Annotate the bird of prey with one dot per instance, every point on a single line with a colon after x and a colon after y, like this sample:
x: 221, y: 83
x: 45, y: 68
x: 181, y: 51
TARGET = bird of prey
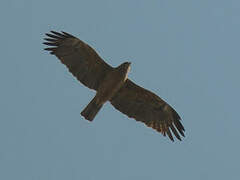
x: 112, y: 84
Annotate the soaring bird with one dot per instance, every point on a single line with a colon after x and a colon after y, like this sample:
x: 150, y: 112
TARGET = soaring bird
x: 112, y: 84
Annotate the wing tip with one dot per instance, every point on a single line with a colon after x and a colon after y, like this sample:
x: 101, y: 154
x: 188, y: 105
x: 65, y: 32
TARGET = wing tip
x: 168, y: 129
x: 54, y: 39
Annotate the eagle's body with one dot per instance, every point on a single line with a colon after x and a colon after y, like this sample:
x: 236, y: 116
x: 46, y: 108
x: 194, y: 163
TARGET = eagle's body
x: 113, y: 85
x: 113, y: 81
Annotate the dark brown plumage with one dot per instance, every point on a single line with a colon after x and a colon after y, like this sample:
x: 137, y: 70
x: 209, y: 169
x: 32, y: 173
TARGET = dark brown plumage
x: 113, y: 85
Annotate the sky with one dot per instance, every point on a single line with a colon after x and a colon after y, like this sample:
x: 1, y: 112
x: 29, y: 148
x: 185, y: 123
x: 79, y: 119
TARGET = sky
x: 185, y: 51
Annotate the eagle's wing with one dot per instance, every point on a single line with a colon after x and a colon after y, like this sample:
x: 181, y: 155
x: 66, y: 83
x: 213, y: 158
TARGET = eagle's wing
x: 82, y: 61
x: 143, y: 105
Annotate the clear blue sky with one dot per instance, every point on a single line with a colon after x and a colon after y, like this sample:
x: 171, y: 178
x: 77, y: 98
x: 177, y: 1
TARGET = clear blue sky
x: 185, y: 51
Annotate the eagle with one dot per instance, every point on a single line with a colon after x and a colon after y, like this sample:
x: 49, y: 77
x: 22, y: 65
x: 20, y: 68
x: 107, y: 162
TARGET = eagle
x: 112, y: 84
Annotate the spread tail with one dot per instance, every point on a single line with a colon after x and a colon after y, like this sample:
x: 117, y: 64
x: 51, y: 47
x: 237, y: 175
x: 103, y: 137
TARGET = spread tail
x: 91, y: 110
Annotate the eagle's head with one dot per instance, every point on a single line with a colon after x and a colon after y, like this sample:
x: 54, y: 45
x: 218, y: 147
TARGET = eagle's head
x: 124, y: 68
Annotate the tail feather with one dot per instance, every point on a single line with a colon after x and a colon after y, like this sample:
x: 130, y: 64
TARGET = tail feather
x: 91, y: 110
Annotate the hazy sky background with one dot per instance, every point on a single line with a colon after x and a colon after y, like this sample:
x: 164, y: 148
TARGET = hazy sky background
x: 185, y: 51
